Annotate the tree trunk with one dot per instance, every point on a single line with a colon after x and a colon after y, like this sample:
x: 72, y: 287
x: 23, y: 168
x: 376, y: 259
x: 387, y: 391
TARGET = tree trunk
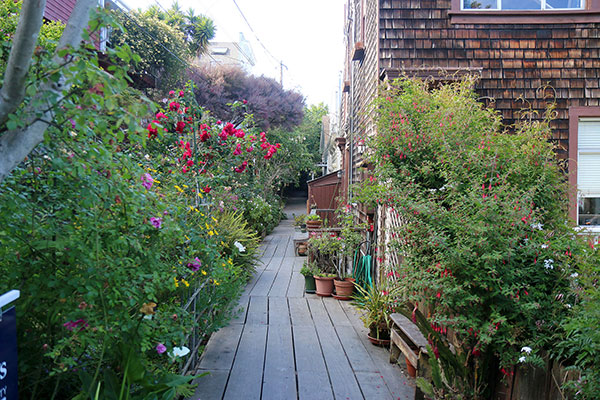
x: 17, y: 144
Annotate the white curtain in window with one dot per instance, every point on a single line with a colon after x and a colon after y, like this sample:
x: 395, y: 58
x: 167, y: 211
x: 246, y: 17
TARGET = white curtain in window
x: 588, y: 163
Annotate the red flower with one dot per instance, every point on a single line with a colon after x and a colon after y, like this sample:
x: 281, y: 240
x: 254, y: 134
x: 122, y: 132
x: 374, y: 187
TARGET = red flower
x: 204, y: 136
x: 181, y: 93
x: 171, y: 93
x: 180, y: 127
x: 173, y: 106
x: 160, y: 116
x: 152, y: 130
x: 207, y: 189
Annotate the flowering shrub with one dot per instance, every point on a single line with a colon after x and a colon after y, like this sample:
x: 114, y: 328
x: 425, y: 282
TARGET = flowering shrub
x: 107, y: 231
x: 487, y: 249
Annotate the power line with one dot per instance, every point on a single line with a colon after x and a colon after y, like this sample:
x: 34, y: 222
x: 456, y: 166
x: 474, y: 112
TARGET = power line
x: 255, y: 35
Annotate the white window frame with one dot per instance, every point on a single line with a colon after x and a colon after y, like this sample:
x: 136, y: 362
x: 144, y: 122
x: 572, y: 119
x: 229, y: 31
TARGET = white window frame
x: 592, y: 229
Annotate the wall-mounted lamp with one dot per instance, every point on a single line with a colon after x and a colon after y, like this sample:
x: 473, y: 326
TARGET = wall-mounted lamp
x: 340, y: 174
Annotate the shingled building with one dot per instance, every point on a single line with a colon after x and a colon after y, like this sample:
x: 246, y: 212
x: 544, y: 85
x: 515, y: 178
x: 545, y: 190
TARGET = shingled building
x: 525, y: 52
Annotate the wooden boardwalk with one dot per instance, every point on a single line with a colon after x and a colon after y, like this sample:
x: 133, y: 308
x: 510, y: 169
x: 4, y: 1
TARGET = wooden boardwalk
x: 287, y: 345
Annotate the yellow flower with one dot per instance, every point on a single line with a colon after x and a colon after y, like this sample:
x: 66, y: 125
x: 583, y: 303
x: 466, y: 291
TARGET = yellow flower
x: 230, y: 261
x: 186, y: 236
x: 214, y: 219
x: 203, y: 272
x: 216, y: 282
x: 211, y: 233
x: 176, y: 283
x: 200, y: 194
x: 185, y: 283
x: 207, y: 227
x: 178, y: 188
x: 156, y: 181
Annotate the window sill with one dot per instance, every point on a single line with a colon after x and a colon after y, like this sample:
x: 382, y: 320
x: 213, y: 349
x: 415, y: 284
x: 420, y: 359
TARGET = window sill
x: 524, y: 17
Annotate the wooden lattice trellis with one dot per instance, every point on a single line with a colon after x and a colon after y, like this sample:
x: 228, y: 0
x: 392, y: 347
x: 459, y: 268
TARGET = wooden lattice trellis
x: 388, y: 258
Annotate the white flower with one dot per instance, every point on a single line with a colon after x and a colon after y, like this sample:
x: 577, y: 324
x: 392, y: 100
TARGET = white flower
x: 568, y: 305
x: 548, y: 264
x: 240, y: 246
x: 544, y: 246
x: 522, y: 359
x: 537, y: 226
x: 147, y: 156
x: 180, y: 351
x: 574, y: 275
x: 526, y: 349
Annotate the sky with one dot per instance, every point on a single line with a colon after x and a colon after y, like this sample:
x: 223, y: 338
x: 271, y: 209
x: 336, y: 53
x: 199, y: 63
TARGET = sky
x: 307, y: 36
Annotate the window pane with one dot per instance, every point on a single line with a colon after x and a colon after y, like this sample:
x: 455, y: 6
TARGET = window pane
x: 550, y: 4
x: 521, y: 5
x: 480, y: 5
x: 589, y: 211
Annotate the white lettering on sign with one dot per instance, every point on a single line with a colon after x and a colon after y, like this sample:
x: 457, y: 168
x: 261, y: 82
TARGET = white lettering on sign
x: 3, y: 370
x: 3, y: 393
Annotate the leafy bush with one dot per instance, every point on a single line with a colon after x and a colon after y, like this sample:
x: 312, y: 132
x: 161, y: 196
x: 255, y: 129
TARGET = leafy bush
x: 487, y: 247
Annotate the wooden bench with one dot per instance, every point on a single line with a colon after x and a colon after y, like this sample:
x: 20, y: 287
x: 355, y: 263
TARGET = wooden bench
x: 407, y: 339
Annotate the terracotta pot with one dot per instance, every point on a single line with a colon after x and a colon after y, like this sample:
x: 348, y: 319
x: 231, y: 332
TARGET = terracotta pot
x: 412, y: 371
x: 313, y: 224
x: 324, y: 286
x: 309, y: 284
x: 379, y: 342
x: 302, y: 250
x: 343, y: 289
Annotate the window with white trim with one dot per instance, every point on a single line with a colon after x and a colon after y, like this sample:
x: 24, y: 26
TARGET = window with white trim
x: 588, y: 172
x: 523, y: 4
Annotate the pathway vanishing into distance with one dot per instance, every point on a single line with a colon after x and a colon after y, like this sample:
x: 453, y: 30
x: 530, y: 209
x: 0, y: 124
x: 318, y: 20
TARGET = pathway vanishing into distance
x: 286, y: 344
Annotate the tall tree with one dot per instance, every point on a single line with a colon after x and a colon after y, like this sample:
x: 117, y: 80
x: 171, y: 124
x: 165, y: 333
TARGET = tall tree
x: 271, y: 105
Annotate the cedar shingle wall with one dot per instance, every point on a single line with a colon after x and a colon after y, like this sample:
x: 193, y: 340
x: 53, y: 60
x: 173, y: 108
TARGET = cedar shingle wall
x: 59, y: 10
x: 516, y: 60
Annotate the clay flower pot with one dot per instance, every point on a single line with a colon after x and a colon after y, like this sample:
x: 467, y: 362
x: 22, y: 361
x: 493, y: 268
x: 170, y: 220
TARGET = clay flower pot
x: 324, y: 286
x: 313, y: 224
x: 343, y: 289
x: 412, y: 371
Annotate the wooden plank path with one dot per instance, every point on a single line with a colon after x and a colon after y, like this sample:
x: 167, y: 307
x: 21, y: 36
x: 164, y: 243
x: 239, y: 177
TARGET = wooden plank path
x: 285, y: 344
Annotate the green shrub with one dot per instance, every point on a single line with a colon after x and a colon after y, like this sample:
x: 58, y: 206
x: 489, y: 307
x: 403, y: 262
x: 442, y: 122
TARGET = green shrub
x: 486, y: 243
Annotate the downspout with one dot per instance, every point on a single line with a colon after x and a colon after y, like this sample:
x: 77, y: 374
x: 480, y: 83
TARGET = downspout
x: 351, y: 158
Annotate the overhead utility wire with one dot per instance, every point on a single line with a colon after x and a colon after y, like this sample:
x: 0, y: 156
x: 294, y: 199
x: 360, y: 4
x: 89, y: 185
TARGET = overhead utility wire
x: 252, y: 30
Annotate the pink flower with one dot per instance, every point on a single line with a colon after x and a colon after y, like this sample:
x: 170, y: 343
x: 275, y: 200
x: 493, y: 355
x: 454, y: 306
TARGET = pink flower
x: 171, y: 93
x: 180, y: 127
x: 161, y: 348
x: 156, y: 222
x: 249, y: 149
x: 181, y: 93
x: 173, y: 106
x: 238, y: 150
x: 160, y: 116
x: 195, y: 265
x: 147, y: 180
x: 245, y: 101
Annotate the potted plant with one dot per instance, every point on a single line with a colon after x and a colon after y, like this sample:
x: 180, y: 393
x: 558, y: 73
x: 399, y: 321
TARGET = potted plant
x: 314, y: 221
x: 377, y: 302
x: 300, y: 222
x: 324, y: 283
x: 309, y: 270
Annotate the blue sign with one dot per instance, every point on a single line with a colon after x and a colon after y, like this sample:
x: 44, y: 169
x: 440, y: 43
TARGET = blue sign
x: 8, y: 355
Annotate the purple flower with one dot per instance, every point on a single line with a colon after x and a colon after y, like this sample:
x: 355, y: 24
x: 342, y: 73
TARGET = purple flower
x: 147, y: 180
x: 70, y: 325
x: 195, y: 265
x: 156, y: 222
x: 161, y: 348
